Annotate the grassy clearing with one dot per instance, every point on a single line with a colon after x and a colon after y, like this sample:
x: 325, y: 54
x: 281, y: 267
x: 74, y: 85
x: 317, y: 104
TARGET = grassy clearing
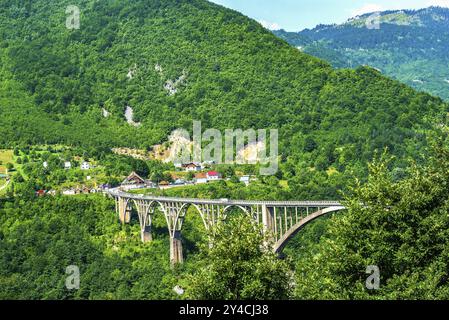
x: 6, y: 156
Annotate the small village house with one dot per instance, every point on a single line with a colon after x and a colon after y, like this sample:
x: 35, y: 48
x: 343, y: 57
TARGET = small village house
x: 69, y: 192
x: 245, y: 180
x: 191, y: 167
x: 213, y: 176
x: 164, y: 185
x: 178, y: 165
x: 40, y: 193
x: 200, y: 178
x: 134, y: 181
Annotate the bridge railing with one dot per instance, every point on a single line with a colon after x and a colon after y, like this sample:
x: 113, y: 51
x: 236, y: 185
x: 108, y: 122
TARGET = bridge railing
x: 122, y: 194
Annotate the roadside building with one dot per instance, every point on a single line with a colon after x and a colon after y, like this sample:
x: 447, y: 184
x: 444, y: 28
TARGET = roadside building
x: 40, y: 193
x: 105, y: 186
x: 164, y: 185
x: 69, y: 192
x: 245, y: 180
x: 191, y: 167
x: 179, y: 182
x: 200, y: 178
x: 178, y: 165
x: 133, y: 181
x: 213, y: 176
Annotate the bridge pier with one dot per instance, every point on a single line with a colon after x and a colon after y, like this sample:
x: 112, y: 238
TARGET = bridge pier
x: 123, y: 211
x: 267, y: 218
x: 176, y: 249
x: 146, y: 234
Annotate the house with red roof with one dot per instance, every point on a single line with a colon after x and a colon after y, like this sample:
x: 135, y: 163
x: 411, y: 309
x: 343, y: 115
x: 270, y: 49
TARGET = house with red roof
x: 40, y: 193
x: 213, y: 175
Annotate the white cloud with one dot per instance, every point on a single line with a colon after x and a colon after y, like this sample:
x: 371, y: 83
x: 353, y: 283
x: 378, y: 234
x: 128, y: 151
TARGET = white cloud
x: 440, y: 3
x: 270, y: 25
x: 368, y: 8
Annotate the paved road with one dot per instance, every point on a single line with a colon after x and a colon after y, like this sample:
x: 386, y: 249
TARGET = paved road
x: 5, y: 185
x: 118, y: 193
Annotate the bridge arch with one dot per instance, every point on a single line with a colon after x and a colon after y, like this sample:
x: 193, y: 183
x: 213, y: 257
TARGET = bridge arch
x: 159, y: 205
x: 282, y: 242
x: 183, y: 212
x: 146, y: 215
x: 281, y: 224
x: 242, y: 208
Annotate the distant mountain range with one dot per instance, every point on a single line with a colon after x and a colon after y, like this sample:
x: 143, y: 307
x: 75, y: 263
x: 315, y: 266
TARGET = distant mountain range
x: 411, y: 46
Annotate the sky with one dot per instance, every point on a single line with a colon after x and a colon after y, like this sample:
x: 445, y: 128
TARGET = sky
x: 296, y: 15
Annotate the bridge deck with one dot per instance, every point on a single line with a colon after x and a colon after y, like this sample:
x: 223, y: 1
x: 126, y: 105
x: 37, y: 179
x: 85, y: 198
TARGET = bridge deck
x: 226, y: 202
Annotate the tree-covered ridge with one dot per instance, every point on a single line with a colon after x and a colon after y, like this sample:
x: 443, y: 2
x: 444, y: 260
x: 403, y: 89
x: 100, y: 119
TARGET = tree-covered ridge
x: 178, y: 61
x: 40, y: 239
x: 410, y: 45
x: 401, y: 228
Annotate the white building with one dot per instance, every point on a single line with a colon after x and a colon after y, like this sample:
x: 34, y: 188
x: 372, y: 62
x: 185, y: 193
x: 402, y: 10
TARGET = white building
x: 192, y: 167
x: 67, y: 165
x: 200, y: 178
x: 45, y: 164
x: 245, y: 180
x: 213, y: 175
x: 69, y: 192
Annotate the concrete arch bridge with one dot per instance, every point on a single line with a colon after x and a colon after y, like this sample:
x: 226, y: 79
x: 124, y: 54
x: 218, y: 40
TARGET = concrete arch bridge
x: 281, y: 219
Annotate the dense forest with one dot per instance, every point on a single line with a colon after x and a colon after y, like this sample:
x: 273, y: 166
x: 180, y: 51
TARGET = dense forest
x: 402, y: 228
x: 229, y: 72
x: 175, y: 61
x: 409, y: 45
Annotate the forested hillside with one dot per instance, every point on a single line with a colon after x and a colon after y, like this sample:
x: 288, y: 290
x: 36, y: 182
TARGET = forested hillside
x: 403, y: 229
x: 409, y: 45
x: 177, y: 61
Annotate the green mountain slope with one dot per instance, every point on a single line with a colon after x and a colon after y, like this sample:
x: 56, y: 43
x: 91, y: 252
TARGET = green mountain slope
x: 177, y: 61
x: 174, y: 61
x: 411, y: 46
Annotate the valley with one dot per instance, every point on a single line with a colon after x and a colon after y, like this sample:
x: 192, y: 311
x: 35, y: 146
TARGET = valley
x: 94, y: 121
